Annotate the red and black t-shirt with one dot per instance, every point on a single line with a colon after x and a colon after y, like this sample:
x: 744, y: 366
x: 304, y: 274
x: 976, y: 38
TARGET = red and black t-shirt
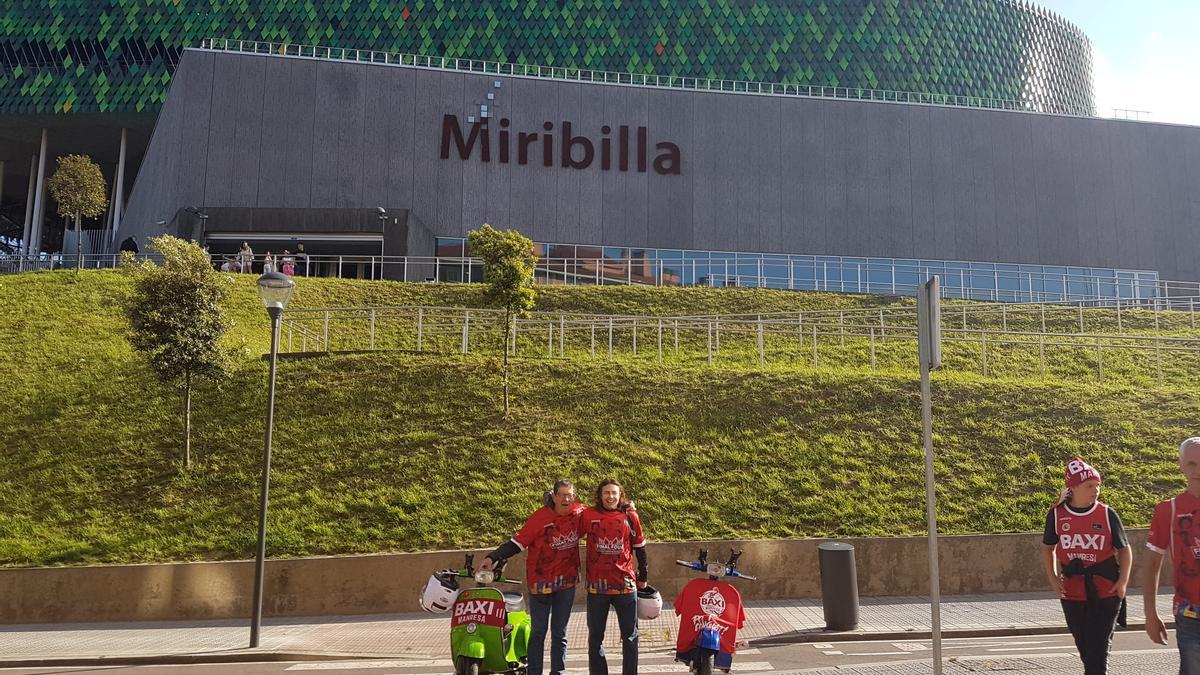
x: 551, y: 543
x: 1092, y: 536
x: 611, y: 538
x: 1175, y: 530
x: 704, y: 603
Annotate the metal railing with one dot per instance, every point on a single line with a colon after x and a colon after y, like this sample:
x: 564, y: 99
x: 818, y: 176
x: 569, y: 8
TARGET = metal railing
x: 874, y: 338
x: 840, y: 277
x: 634, y: 79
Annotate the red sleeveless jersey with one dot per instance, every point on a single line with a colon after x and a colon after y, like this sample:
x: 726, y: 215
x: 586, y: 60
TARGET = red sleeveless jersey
x: 1087, y: 537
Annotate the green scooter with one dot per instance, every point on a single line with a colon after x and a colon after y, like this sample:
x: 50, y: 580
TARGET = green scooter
x: 489, y: 628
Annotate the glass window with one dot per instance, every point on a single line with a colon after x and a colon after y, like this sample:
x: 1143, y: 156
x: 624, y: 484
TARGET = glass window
x: 449, y: 247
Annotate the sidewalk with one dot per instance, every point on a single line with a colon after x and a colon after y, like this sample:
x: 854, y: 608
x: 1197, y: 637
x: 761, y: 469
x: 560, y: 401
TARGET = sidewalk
x: 424, y: 635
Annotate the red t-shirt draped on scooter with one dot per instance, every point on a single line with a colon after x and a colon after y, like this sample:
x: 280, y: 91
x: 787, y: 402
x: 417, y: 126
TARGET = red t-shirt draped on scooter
x: 551, y: 543
x: 706, y: 602
x: 611, y: 538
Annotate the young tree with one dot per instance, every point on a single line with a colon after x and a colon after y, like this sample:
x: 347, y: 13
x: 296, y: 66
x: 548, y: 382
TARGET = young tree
x: 508, y: 263
x: 78, y: 188
x: 175, y: 319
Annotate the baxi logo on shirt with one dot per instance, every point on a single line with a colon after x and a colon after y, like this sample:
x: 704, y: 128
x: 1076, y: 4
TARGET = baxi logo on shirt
x: 712, y: 602
x: 613, y: 546
x: 1093, y: 542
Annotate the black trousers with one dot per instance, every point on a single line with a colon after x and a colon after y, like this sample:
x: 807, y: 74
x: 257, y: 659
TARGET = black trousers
x: 1092, y: 629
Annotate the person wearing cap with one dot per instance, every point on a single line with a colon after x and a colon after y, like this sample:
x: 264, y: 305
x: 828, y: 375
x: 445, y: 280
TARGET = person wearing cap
x: 1088, y: 561
x: 550, y: 538
x: 1175, y: 531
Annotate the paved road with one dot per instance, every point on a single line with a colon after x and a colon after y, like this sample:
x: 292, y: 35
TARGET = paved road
x: 1133, y: 654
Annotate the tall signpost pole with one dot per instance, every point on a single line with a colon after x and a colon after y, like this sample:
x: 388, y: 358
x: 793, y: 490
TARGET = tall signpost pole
x: 929, y: 341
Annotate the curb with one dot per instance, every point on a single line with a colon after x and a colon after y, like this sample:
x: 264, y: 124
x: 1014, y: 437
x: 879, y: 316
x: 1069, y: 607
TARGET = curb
x: 190, y: 659
x: 821, y: 635
x: 287, y: 656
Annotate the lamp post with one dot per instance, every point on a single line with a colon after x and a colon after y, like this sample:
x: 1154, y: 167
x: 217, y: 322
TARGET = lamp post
x: 274, y: 289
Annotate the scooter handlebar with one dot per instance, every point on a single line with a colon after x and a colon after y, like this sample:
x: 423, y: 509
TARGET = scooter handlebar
x: 689, y: 565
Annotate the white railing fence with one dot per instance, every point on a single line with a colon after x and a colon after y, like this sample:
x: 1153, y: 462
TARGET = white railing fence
x: 1042, y: 341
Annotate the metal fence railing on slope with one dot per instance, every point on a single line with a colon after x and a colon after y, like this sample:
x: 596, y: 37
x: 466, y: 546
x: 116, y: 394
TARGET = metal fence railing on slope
x: 1150, y: 347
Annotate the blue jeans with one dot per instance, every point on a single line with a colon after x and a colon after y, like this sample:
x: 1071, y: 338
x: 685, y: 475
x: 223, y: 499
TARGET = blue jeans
x: 1187, y: 635
x: 553, y: 610
x: 597, y: 616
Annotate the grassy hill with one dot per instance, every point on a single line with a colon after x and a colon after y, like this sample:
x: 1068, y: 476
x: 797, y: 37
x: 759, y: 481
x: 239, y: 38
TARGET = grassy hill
x: 395, y: 451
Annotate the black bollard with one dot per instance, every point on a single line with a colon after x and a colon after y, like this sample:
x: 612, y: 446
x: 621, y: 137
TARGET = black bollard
x: 839, y: 585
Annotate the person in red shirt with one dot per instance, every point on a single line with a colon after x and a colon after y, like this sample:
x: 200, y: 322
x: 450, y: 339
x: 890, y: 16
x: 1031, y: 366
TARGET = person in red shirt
x: 1175, y: 531
x: 550, y: 537
x: 1087, y: 560
x: 614, y: 538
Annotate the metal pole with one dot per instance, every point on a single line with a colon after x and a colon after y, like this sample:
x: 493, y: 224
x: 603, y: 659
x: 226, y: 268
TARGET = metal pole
x: 710, y: 342
x: 119, y: 198
x: 635, y: 337
x: 872, y: 349
x: 610, y: 335
x: 593, y: 339
x: 372, y: 328
x: 260, y: 561
x: 420, y: 327
x: 931, y: 516
x: 814, y: 346
x: 983, y: 343
x: 562, y: 336
x: 326, y: 338
x: 660, y: 342
x: 1099, y: 359
x: 930, y: 494
x: 1042, y: 354
x: 466, y: 331
x: 761, y: 356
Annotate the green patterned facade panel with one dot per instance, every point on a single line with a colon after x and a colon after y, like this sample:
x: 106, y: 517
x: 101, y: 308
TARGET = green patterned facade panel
x: 119, y: 55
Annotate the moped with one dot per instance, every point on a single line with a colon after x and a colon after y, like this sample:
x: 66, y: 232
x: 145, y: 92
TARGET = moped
x: 710, y: 613
x: 489, y: 628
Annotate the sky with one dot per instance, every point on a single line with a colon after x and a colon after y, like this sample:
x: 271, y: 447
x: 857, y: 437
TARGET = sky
x: 1146, y: 55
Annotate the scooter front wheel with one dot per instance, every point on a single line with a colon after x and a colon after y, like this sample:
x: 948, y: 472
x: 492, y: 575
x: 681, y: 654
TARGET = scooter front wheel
x: 467, y: 666
x: 704, y: 661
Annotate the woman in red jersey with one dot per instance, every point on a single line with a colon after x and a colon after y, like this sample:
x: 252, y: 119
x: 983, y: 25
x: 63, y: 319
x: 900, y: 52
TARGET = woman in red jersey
x: 551, y: 538
x: 1087, y: 560
x: 614, y: 538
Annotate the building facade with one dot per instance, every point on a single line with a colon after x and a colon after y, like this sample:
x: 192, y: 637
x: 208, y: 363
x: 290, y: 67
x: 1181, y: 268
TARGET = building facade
x: 656, y: 173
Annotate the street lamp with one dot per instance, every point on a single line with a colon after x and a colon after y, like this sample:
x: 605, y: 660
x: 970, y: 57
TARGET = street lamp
x: 274, y: 289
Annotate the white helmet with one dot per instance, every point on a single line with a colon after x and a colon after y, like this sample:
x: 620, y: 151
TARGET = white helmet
x: 439, y: 594
x: 649, y: 603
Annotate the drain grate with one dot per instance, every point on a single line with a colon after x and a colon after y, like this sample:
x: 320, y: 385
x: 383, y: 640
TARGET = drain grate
x: 1001, y: 666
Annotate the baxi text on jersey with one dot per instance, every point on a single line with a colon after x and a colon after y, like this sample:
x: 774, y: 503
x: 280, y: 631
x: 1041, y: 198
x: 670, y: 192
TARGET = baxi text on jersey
x: 1087, y: 542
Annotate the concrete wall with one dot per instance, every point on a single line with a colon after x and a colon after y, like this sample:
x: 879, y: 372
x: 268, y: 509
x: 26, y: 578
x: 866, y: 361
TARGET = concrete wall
x: 759, y: 173
x: 390, y: 583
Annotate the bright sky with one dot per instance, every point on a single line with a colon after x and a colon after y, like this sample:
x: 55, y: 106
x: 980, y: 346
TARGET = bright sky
x: 1147, y: 54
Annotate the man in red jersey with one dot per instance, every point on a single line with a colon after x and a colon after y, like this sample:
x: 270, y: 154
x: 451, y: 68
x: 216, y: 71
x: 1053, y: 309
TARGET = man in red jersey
x: 614, y: 538
x: 550, y: 537
x: 1175, y: 531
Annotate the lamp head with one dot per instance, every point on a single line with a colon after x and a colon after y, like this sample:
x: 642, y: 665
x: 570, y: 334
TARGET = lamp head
x: 275, y: 289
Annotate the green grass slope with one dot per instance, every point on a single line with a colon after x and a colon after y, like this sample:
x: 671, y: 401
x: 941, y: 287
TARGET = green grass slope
x: 394, y: 451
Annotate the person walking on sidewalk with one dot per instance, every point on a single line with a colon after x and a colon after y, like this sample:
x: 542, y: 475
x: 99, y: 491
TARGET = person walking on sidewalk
x: 614, y: 538
x: 550, y: 537
x: 1175, y: 531
x: 1088, y: 561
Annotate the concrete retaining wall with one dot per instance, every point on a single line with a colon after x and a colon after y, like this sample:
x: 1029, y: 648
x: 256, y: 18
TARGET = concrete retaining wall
x: 373, y: 584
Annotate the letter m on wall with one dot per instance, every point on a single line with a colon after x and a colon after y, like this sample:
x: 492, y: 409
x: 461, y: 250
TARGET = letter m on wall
x: 452, y: 130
